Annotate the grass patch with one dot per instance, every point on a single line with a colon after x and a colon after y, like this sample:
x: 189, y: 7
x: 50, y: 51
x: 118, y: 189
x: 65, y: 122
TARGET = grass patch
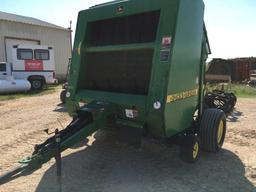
x: 49, y: 89
x: 239, y: 90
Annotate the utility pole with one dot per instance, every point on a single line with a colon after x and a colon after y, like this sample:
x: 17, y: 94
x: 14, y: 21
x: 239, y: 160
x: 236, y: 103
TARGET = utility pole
x: 70, y: 35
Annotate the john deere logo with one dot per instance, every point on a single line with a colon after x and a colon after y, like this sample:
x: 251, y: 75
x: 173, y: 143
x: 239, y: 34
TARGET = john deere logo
x: 120, y: 9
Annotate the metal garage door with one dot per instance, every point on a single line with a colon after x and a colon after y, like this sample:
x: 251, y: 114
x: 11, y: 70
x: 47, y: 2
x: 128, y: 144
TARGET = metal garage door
x: 9, y: 43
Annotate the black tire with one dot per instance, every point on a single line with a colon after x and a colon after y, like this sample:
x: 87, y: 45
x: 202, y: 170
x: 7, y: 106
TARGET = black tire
x: 36, y: 84
x: 190, y: 148
x: 234, y: 99
x: 212, y: 130
x: 63, y: 96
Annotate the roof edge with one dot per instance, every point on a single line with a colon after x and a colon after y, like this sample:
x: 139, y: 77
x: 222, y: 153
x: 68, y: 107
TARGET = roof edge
x: 10, y: 17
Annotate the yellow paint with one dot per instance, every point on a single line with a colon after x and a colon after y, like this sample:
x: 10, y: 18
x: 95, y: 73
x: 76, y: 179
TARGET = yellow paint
x: 195, y: 150
x: 79, y: 48
x: 220, y: 131
x: 181, y: 96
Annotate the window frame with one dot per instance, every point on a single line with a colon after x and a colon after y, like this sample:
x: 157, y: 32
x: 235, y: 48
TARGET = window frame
x: 5, y: 67
x: 19, y: 53
x: 43, y: 50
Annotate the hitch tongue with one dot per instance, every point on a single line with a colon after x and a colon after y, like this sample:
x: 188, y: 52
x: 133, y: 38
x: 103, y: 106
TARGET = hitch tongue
x: 90, y: 119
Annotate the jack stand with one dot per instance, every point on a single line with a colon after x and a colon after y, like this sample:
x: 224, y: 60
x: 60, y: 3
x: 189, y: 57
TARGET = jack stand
x: 58, y: 158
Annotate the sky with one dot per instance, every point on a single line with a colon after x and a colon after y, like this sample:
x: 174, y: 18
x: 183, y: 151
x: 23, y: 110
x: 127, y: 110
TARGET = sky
x: 231, y: 24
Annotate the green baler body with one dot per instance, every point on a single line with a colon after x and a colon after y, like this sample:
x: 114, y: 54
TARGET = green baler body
x: 146, y: 55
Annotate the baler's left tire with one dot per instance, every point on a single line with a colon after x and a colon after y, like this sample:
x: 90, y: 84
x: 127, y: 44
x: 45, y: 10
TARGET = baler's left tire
x: 63, y: 96
x: 212, y: 130
x: 190, y: 148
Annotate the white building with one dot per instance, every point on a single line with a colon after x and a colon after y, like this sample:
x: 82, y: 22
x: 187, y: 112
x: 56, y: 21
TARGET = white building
x: 15, y: 29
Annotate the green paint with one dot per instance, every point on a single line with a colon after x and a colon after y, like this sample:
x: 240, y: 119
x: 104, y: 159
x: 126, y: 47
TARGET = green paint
x: 180, y: 49
x: 180, y: 71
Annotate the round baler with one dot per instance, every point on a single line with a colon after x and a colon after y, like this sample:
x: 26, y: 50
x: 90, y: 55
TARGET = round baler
x: 138, y: 65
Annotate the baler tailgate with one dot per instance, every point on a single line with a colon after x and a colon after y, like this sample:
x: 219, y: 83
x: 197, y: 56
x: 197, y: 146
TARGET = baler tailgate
x: 120, y: 62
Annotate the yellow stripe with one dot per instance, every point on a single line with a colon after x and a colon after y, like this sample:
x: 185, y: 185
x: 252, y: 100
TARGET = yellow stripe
x: 79, y: 48
x: 181, y: 96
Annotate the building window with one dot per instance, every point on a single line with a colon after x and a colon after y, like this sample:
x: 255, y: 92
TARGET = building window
x: 2, y: 67
x: 42, y: 54
x: 25, y: 54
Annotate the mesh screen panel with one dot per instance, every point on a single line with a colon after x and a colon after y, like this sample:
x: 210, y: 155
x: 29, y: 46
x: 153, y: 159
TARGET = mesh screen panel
x: 121, y: 71
x: 139, y: 28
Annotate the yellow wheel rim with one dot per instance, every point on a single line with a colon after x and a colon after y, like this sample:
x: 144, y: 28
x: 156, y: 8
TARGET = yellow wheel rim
x: 220, y: 131
x: 195, y: 150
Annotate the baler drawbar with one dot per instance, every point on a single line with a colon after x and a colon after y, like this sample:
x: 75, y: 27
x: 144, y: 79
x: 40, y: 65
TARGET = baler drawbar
x: 89, y: 119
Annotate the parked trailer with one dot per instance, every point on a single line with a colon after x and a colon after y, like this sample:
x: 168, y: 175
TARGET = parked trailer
x: 139, y: 65
x: 238, y: 69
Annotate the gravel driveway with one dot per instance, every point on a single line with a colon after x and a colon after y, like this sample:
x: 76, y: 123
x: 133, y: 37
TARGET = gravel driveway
x: 105, y: 165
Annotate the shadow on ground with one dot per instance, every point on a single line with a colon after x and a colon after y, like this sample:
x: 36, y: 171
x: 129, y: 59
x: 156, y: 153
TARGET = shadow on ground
x: 113, y: 167
x: 61, y: 108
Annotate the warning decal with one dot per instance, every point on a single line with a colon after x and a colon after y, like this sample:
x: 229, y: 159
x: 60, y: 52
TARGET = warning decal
x: 164, y: 55
x: 166, y: 41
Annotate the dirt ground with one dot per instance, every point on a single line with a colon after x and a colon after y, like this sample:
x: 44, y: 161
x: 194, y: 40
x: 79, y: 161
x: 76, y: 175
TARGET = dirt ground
x: 107, y: 166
